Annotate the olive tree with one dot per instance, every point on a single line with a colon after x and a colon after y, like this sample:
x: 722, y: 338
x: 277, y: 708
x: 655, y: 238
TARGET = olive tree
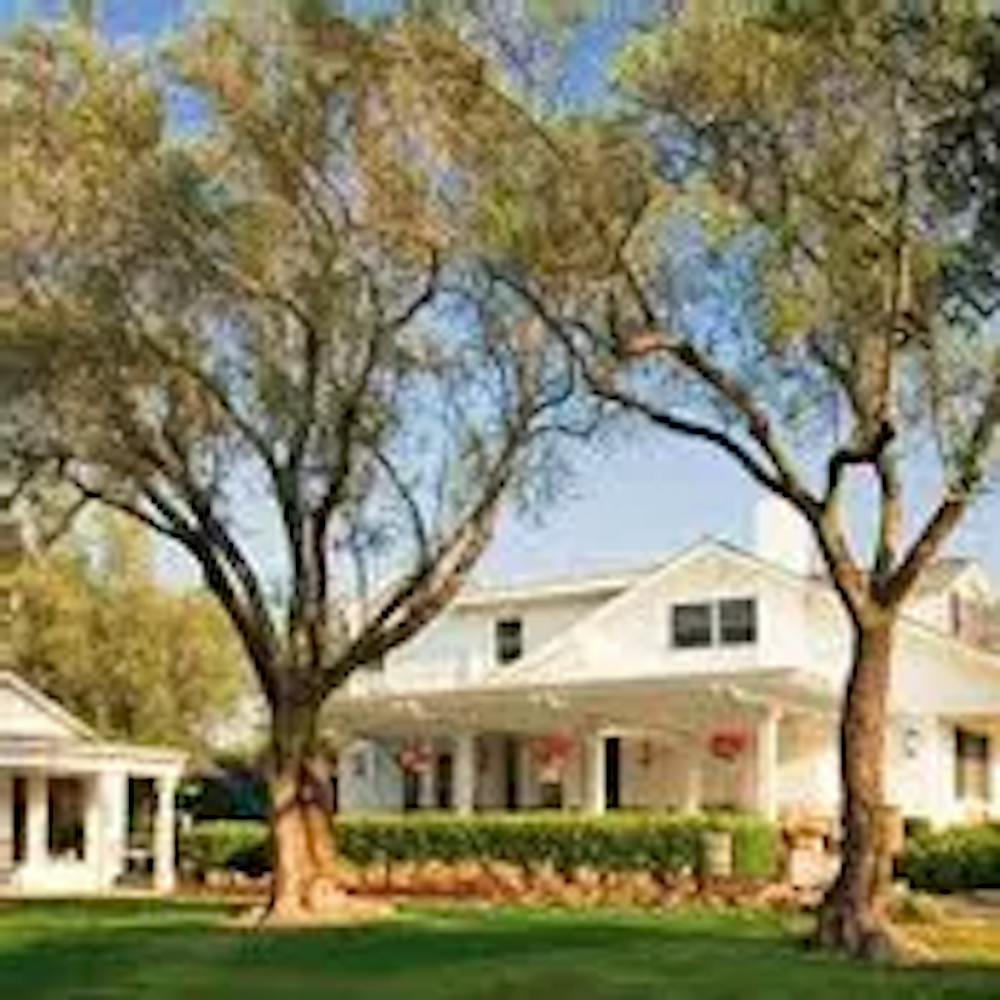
x: 256, y: 323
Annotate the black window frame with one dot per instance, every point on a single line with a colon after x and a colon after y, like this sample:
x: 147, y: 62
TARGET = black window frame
x: 965, y: 760
x: 745, y: 636
x: 679, y: 609
x: 509, y: 629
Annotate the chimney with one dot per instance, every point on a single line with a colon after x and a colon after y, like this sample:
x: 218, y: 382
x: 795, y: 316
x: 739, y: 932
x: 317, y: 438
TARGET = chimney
x: 782, y: 536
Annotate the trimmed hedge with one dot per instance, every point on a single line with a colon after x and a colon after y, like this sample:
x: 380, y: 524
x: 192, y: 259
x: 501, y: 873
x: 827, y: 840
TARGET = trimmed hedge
x: 233, y: 844
x: 961, y: 857
x: 660, y: 844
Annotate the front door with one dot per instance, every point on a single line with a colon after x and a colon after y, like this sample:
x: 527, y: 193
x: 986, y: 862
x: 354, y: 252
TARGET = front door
x: 612, y: 772
x: 511, y: 775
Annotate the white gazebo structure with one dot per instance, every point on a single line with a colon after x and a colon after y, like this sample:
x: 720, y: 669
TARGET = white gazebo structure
x: 64, y: 801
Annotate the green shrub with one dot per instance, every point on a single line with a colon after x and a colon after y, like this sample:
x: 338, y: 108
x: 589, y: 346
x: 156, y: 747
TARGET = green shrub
x: 239, y: 845
x: 623, y: 842
x: 961, y: 857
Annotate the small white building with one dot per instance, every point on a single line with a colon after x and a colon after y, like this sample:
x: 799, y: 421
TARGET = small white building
x: 65, y: 798
x: 710, y: 680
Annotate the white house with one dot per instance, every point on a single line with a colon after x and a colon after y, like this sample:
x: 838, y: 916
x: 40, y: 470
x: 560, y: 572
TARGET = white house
x: 65, y: 802
x: 711, y: 679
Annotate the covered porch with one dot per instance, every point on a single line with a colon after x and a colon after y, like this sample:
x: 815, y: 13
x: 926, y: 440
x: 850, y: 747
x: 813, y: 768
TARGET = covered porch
x: 78, y: 818
x: 760, y: 741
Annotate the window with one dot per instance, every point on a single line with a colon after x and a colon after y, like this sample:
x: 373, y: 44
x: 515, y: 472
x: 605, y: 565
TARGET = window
x: 691, y: 625
x: 737, y: 621
x: 509, y: 640
x: 972, y: 766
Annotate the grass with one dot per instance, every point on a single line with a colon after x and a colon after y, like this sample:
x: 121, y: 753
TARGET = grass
x: 111, y: 950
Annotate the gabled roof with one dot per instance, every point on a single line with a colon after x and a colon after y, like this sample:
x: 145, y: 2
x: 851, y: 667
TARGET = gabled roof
x: 940, y: 575
x: 538, y: 662
x: 541, y: 663
x: 34, y: 710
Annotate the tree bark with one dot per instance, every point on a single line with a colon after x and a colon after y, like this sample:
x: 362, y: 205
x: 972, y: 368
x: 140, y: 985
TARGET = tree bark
x: 305, y: 871
x: 851, y: 916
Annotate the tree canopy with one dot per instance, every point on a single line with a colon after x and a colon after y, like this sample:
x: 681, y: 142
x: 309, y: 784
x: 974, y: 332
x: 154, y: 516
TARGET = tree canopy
x: 269, y: 319
x: 93, y: 629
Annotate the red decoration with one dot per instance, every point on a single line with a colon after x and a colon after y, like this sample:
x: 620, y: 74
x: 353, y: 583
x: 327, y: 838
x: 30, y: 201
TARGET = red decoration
x: 551, y: 753
x: 728, y: 744
x: 414, y: 758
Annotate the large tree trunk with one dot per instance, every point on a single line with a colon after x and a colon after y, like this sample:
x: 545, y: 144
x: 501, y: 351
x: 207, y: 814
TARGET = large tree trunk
x: 305, y: 876
x: 851, y: 917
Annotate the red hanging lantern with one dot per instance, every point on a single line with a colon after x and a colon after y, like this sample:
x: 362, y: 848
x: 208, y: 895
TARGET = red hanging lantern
x: 551, y: 753
x: 414, y: 758
x: 728, y: 744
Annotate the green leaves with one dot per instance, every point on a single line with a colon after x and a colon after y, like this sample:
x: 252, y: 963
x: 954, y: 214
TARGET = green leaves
x: 661, y: 844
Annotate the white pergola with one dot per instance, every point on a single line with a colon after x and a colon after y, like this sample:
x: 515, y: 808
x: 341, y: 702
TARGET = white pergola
x: 42, y: 746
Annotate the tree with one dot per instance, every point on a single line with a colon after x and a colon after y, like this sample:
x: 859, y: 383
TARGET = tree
x: 260, y: 321
x: 752, y: 250
x: 92, y: 628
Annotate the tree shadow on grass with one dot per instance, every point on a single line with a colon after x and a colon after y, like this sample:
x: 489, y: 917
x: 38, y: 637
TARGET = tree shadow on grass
x: 154, y: 950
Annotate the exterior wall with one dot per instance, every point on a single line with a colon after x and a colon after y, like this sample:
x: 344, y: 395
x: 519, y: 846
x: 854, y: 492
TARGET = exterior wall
x: 368, y: 779
x: 935, y: 609
x: 629, y: 636
x: 808, y: 766
x: 458, y: 647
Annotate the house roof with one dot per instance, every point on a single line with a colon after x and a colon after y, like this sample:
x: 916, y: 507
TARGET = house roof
x: 36, y: 730
x: 940, y: 575
x: 49, y: 709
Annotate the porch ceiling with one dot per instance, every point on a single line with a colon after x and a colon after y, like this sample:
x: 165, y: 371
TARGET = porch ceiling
x: 674, y: 707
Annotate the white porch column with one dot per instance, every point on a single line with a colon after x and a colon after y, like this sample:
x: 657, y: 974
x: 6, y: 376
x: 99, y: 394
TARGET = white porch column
x: 766, y: 763
x: 464, y: 764
x: 594, y: 763
x: 692, y: 783
x: 6, y: 820
x: 163, y: 834
x: 112, y: 796
x: 37, y: 832
x: 92, y: 824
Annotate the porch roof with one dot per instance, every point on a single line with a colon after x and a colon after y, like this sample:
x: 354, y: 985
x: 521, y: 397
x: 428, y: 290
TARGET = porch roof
x: 87, y: 756
x: 674, y: 704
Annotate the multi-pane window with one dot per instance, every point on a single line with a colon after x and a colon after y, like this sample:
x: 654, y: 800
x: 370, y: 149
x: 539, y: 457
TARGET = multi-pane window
x: 509, y: 640
x: 728, y: 622
x: 691, y: 625
x: 737, y: 621
x: 972, y: 766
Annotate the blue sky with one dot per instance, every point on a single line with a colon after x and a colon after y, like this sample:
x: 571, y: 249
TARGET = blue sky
x: 648, y: 496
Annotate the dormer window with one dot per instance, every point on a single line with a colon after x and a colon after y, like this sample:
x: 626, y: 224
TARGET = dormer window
x: 509, y: 640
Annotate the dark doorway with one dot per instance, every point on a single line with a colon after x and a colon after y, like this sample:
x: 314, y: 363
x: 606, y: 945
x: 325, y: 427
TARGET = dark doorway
x: 443, y: 780
x: 510, y: 772
x: 612, y: 772
x: 411, y: 791
x: 20, y: 818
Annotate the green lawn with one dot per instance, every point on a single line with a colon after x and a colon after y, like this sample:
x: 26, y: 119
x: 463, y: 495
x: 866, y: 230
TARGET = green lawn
x: 130, y: 949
